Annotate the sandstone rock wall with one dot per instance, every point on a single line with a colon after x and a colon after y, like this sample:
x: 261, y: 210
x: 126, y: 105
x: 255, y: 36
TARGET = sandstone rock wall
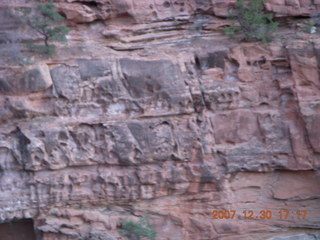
x: 150, y: 110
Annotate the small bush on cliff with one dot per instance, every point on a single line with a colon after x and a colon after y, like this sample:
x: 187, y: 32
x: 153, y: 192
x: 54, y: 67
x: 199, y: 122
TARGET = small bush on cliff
x: 310, y: 28
x: 251, y: 20
x: 48, y: 23
x: 137, y: 230
x: 98, y: 236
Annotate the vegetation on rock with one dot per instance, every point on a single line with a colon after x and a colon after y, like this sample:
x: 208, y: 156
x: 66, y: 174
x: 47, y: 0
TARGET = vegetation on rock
x: 137, y: 230
x: 48, y: 23
x: 312, y: 26
x: 250, y: 19
x: 98, y: 236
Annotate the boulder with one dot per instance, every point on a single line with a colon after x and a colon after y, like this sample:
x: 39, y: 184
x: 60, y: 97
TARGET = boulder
x: 76, y: 12
x: 93, y: 68
x: 66, y: 81
x: 25, y: 81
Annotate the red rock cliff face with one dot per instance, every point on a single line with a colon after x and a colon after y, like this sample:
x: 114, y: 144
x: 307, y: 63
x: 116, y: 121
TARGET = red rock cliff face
x: 150, y: 110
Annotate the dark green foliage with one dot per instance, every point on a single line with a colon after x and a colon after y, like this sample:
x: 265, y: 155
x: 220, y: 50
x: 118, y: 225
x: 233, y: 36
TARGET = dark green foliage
x: 137, y: 230
x: 251, y: 20
x: 47, y: 22
x: 42, y: 49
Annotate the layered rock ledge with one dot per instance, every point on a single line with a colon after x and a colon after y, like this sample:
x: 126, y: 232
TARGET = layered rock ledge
x: 149, y: 109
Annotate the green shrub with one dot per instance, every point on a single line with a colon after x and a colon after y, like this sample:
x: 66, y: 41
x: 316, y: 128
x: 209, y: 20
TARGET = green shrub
x: 137, y: 230
x: 98, y: 236
x: 309, y: 28
x: 47, y: 22
x: 251, y: 20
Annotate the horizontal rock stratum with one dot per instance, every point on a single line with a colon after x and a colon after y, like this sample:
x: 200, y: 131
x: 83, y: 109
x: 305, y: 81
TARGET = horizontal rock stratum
x: 149, y: 109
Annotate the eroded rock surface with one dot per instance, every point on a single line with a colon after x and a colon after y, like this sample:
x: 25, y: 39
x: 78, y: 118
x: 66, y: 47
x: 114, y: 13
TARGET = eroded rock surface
x: 150, y: 110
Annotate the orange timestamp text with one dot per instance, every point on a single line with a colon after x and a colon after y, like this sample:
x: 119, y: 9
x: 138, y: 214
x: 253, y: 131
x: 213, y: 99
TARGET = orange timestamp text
x: 260, y: 214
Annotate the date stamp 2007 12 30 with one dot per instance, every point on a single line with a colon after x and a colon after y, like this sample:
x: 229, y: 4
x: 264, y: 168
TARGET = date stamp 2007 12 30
x: 260, y: 214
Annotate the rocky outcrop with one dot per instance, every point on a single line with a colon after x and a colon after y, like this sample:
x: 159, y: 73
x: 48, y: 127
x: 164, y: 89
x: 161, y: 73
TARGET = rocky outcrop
x: 150, y: 110
x: 155, y: 10
x: 26, y: 80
